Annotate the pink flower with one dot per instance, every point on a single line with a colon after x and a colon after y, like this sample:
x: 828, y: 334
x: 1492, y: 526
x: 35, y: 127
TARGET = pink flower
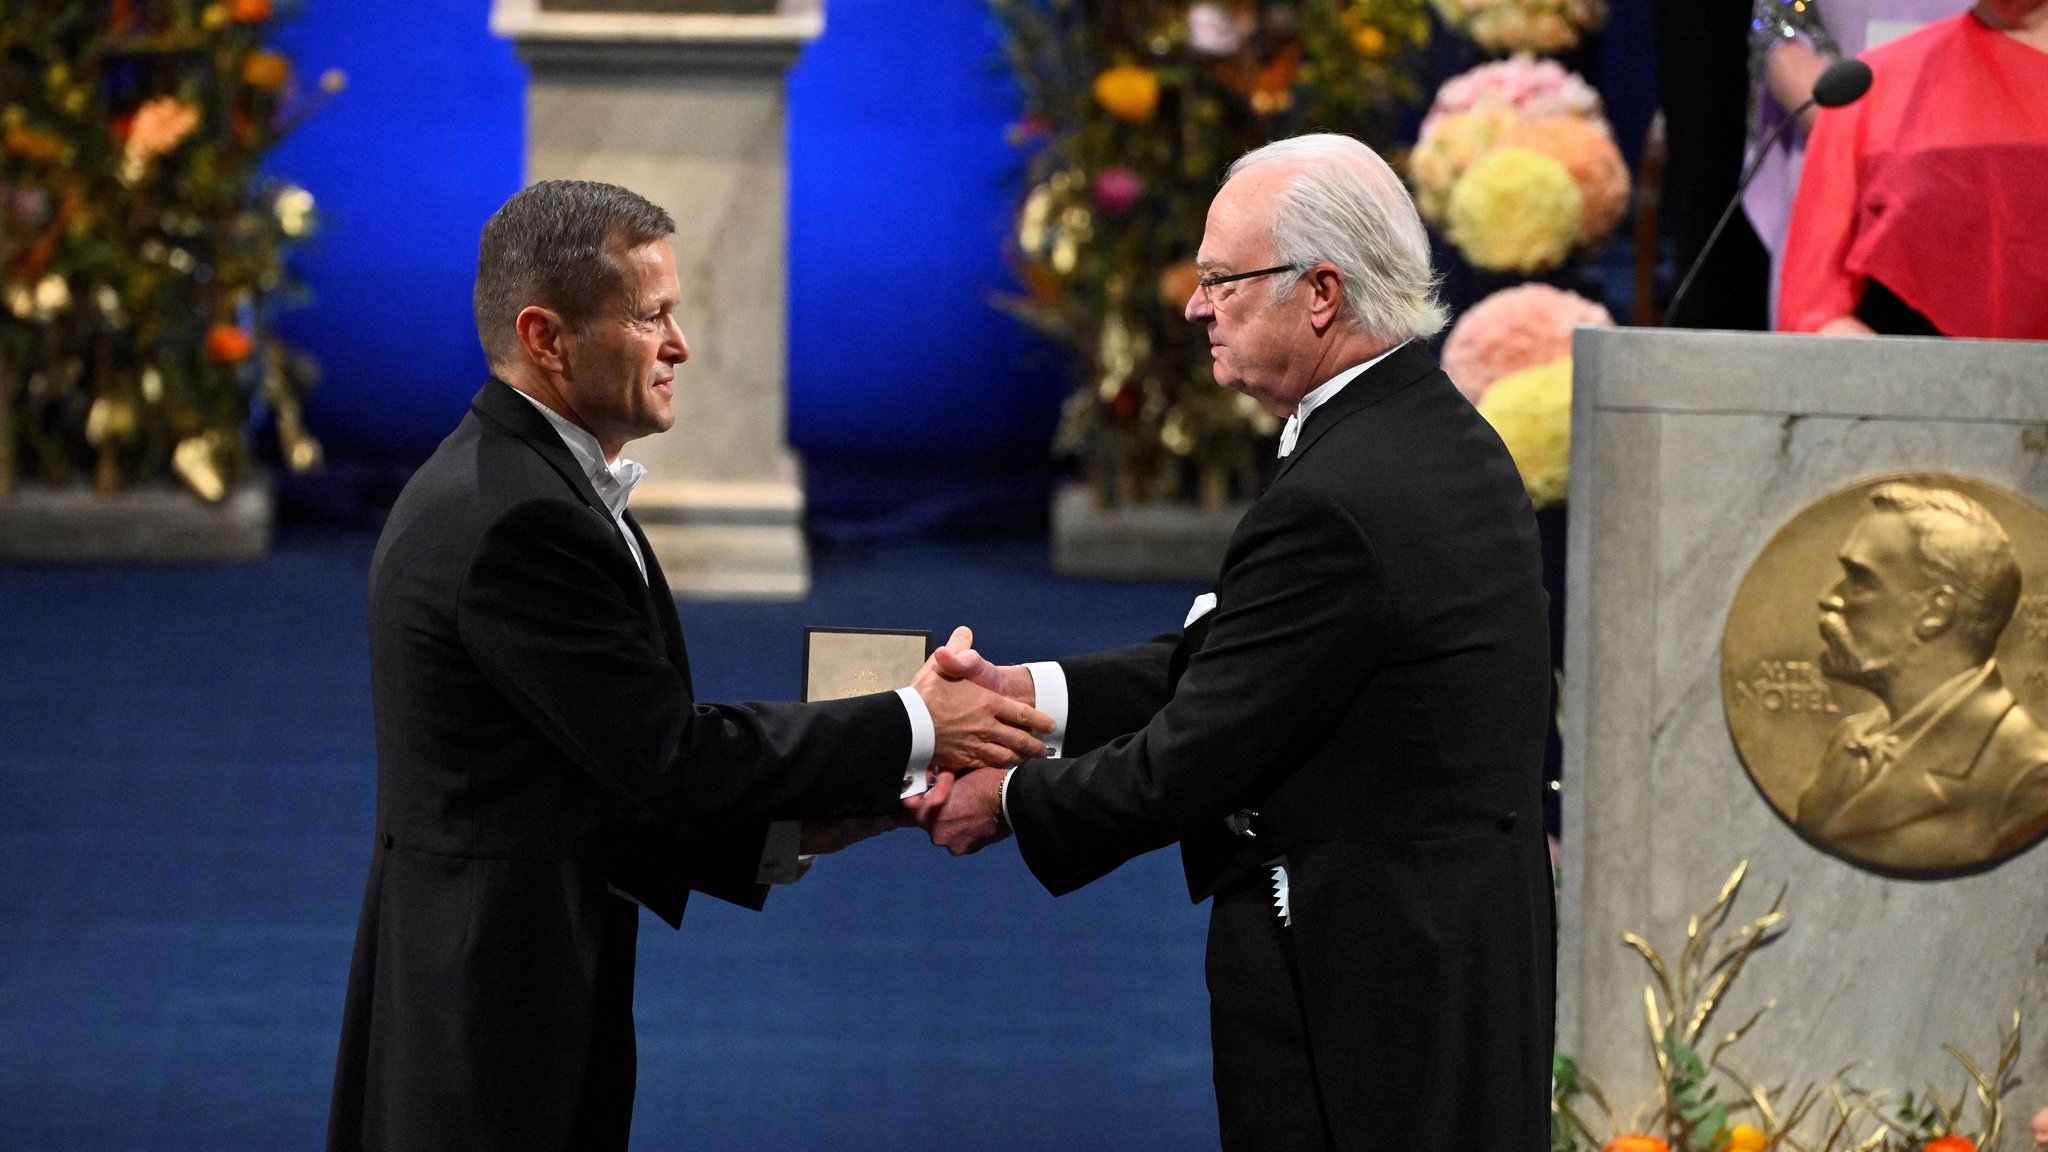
x: 1513, y: 329
x: 1531, y: 87
x: 1116, y: 190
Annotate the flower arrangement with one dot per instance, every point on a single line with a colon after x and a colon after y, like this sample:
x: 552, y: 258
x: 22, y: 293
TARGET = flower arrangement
x: 142, y: 249
x: 1591, y: 159
x: 1546, y: 26
x: 1532, y: 412
x: 1527, y: 86
x: 1515, y: 328
x: 1513, y: 214
x: 1688, y: 1112
x: 1515, y: 210
x: 1132, y: 113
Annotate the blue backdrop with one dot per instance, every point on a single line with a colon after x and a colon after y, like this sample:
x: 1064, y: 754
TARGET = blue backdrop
x: 898, y: 205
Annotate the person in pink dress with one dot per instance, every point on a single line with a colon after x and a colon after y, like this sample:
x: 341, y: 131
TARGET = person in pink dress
x: 1923, y: 207
x: 1790, y: 43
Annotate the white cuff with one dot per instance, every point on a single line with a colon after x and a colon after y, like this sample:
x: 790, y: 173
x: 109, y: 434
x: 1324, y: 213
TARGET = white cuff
x: 1049, y: 686
x: 1003, y: 797
x: 924, y: 741
x: 782, y: 861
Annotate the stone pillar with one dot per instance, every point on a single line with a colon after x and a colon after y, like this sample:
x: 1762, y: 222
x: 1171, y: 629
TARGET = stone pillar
x: 687, y: 107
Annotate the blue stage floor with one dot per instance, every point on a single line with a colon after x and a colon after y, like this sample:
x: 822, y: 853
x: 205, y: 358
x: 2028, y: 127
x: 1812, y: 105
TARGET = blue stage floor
x: 186, y: 781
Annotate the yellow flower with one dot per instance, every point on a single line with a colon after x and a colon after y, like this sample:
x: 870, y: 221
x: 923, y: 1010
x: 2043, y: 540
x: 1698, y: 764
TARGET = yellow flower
x: 1449, y: 145
x: 1589, y: 154
x: 1745, y: 1138
x: 1515, y: 210
x: 1532, y: 412
x: 1128, y: 92
x: 1369, y: 40
x: 265, y: 70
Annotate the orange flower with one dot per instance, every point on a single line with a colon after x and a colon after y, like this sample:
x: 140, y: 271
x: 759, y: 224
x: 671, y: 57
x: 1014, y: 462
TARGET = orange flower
x: 248, y: 11
x: 1369, y: 40
x: 1636, y: 1143
x: 1745, y: 1138
x: 1177, y: 283
x: 1951, y: 1144
x: 1128, y: 92
x: 265, y: 70
x: 27, y: 142
x: 227, y: 344
x: 159, y: 125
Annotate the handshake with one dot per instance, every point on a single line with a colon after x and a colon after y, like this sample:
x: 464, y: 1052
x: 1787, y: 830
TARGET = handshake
x: 985, y: 720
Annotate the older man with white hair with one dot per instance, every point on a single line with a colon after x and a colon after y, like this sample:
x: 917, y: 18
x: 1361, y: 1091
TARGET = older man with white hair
x: 1346, y: 738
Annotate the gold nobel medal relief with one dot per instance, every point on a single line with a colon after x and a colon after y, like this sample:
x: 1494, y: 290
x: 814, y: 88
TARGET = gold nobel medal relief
x: 1885, y: 674
x: 842, y: 662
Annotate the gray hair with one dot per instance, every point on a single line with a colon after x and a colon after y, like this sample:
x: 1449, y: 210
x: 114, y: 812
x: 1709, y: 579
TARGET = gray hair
x: 1345, y: 206
x: 1957, y: 542
x: 557, y: 244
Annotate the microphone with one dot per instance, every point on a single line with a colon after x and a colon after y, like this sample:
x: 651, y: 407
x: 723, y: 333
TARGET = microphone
x: 1840, y: 83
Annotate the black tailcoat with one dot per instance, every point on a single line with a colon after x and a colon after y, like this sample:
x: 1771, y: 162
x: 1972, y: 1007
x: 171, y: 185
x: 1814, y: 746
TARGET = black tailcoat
x: 1375, y: 684
x: 539, y: 752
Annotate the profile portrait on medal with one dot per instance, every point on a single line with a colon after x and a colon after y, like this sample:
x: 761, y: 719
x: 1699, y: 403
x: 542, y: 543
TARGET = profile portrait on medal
x: 1946, y: 768
x: 1949, y: 767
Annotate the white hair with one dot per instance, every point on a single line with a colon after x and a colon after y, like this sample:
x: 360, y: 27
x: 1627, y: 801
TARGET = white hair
x: 1344, y: 206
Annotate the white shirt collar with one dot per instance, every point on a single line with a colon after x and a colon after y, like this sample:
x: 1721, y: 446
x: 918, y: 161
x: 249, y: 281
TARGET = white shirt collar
x: 614, y: 482
x: 1322, y: 394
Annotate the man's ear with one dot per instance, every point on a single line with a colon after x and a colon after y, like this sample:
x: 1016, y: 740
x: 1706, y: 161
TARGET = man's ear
x: 1937, y: 613
x: 540, y: 337
x: 1325, y: 296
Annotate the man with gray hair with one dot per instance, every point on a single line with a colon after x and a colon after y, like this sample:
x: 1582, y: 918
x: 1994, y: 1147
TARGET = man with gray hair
x: 1949, y: 771
x: 1346, y: 737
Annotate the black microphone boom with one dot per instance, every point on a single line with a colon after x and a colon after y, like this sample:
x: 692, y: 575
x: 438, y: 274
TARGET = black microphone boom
x: 1842, y: 82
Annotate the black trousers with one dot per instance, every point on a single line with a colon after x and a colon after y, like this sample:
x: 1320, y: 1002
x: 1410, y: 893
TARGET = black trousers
x: 1267, y: 1099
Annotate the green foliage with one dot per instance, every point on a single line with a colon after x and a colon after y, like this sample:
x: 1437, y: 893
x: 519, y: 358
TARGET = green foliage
x: 1118, y: 185
x: 142, y: 248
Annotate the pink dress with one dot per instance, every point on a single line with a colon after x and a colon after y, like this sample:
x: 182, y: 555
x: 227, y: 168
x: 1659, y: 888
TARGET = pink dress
x: 1935, y: 184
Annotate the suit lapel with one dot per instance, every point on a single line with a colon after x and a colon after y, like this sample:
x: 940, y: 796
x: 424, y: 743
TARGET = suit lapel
x: 1402, y: 367
x: 663, y: 606
x: 503, y: 405
x: 500, y: 403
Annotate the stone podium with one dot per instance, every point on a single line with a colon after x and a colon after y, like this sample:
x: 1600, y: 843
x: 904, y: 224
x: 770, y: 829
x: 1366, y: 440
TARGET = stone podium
x: 1690, y: 451
x: 686, y: 106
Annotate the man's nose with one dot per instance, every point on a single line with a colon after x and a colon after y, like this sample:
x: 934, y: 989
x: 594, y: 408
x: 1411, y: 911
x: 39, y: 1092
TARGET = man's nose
x: 677, y: 348
x: 1198, y: 305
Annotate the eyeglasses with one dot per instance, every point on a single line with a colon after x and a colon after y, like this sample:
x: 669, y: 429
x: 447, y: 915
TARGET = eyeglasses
x: 1208, y: 282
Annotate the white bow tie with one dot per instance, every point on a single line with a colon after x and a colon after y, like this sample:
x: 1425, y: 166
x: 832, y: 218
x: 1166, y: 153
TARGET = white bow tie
x: 1288, y: 434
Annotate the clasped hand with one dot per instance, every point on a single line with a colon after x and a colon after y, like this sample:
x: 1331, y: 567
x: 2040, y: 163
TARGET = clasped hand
x: 984, y: 721
x: 963, y: 812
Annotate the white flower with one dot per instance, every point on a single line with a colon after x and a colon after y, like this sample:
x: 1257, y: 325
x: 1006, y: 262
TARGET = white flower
x: 294, y: 208
x: 1214, y: 30
x: 53, y: 295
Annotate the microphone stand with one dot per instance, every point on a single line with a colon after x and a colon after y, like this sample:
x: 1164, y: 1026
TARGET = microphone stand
x: 1741, y: 187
